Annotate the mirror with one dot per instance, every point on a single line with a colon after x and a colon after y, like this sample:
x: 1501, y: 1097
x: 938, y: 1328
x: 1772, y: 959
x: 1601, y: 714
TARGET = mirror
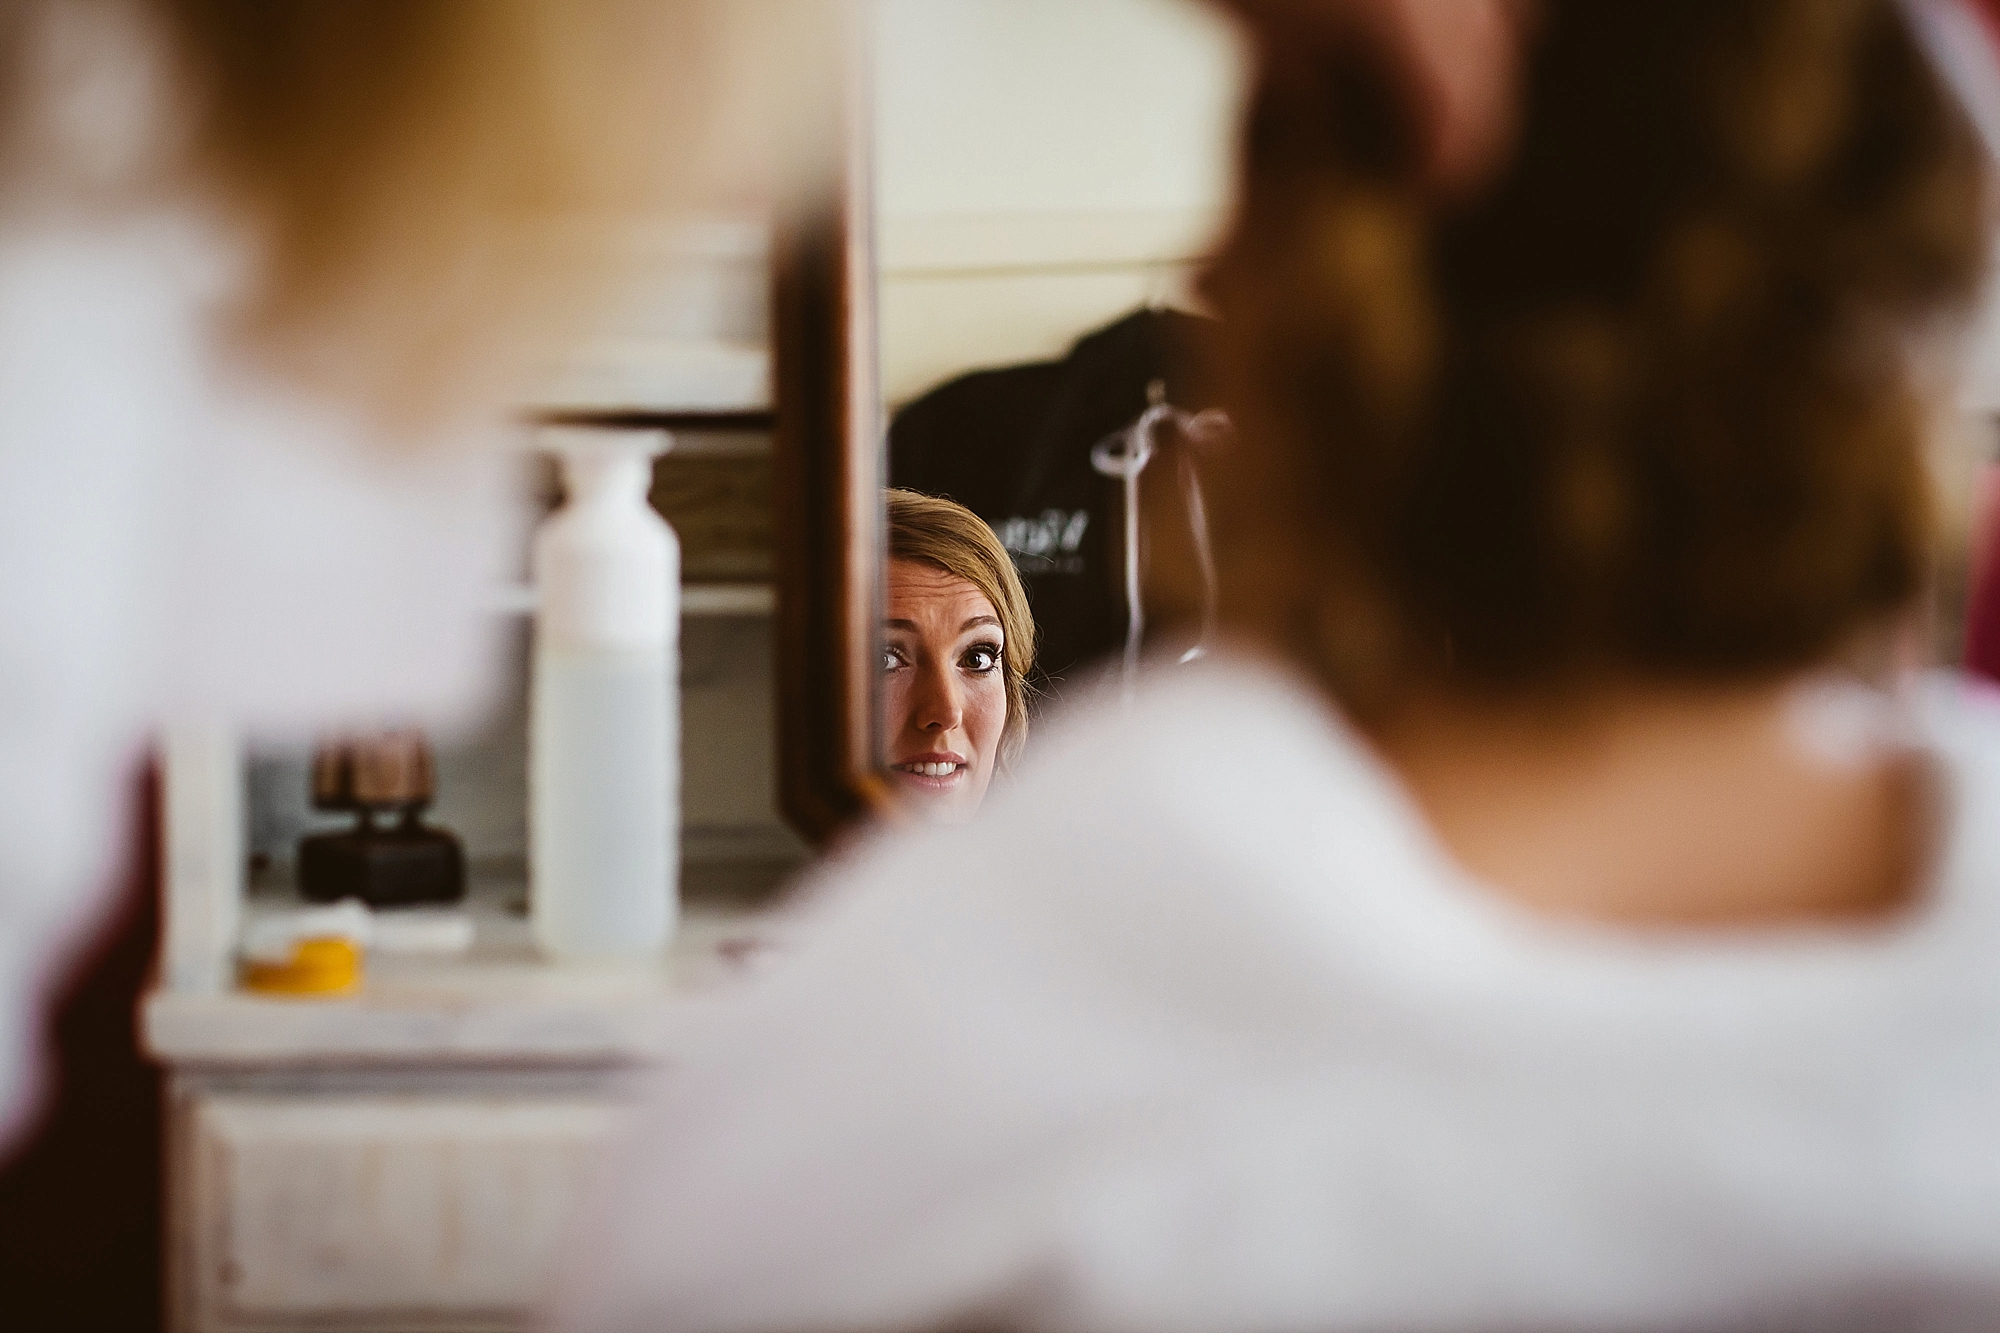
x: 1048, y: 175
x: 827, y: 475
x: 1024, y: 190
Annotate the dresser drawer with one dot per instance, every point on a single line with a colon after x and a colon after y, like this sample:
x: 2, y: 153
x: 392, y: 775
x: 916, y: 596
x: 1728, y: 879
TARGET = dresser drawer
x: 384, y: 1211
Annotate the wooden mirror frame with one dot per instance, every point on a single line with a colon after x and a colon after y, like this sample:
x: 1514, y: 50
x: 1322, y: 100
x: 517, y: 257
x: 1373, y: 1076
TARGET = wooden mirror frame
x: 828, y: 470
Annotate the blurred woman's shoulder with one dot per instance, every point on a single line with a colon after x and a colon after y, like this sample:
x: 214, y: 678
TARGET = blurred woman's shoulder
x: 1224, y: 806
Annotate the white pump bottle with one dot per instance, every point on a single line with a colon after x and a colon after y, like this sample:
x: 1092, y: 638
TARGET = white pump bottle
x: 604, y: 710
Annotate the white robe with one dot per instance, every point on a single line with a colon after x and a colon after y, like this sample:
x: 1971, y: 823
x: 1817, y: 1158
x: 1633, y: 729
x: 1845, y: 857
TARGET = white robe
x: 1199, y: 1029
x: 180, y: 541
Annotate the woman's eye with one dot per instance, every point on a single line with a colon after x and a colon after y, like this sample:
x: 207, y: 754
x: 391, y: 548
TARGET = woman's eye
x: 981, y: 657
x: 891, y: 659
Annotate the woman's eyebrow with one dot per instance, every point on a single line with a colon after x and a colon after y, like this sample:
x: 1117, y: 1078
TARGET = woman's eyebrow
x: 911, y: 625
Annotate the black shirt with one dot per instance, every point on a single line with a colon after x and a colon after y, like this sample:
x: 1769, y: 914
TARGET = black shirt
x: 1013, y: 446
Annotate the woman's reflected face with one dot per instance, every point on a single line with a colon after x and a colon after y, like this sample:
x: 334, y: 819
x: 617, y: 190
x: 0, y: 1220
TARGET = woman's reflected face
x: 944, y: 690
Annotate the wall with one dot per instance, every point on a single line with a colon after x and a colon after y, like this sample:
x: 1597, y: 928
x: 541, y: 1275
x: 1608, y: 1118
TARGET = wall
x: 1042, y: 167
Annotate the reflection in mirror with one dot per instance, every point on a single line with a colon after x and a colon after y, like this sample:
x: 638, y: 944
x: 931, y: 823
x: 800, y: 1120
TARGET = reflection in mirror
x: 958, y: 644
x: 1042, y: 342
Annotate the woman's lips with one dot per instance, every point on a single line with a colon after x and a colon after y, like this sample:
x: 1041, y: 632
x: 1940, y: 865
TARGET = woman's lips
x: 938, y: 771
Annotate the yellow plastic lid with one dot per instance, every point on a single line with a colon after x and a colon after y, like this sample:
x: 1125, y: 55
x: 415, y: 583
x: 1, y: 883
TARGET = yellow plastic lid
x: 320, y: 965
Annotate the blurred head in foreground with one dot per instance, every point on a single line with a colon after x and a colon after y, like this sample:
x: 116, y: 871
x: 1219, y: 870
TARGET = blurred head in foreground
x: 414, y: 173
x: 1642, y: 409
x: 274, y: 280
x: 958, y: 645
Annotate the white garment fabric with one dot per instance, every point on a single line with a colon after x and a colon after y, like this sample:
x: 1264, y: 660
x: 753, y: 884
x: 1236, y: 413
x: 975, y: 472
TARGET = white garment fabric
x: 1199, y: 1029
x: 181, y: 539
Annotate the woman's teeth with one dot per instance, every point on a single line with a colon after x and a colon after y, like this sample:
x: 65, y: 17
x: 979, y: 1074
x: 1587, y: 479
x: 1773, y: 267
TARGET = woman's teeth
x: 930, y: 770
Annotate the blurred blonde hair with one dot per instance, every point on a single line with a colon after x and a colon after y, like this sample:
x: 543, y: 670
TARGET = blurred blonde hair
x: 406, y: 170
x: 946, y: 535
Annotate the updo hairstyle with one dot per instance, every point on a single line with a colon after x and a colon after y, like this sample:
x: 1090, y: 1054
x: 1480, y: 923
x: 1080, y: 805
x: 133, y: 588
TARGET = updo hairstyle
x: 1642, y: 406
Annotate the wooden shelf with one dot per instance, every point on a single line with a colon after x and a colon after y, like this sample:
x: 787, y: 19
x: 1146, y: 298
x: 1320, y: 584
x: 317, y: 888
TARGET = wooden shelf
x: 727, y: 599
x: 650, y: 381
x: 732, y: 423
x: 497, y: 1002
x: 697, y: 599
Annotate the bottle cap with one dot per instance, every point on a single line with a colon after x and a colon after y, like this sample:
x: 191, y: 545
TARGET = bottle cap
x: 606, y: 565
x: 322, y: 965
x: 381, y: 770
x: 306, y: 951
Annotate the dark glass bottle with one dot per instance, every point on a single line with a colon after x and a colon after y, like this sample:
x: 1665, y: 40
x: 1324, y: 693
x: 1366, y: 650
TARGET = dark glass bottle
x: 390, y: 858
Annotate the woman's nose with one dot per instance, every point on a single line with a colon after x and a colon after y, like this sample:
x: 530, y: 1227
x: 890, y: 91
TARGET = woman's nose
x: 937, y: 706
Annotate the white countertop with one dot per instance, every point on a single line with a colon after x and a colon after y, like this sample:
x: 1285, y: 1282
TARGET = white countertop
x: 497, y: 1003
